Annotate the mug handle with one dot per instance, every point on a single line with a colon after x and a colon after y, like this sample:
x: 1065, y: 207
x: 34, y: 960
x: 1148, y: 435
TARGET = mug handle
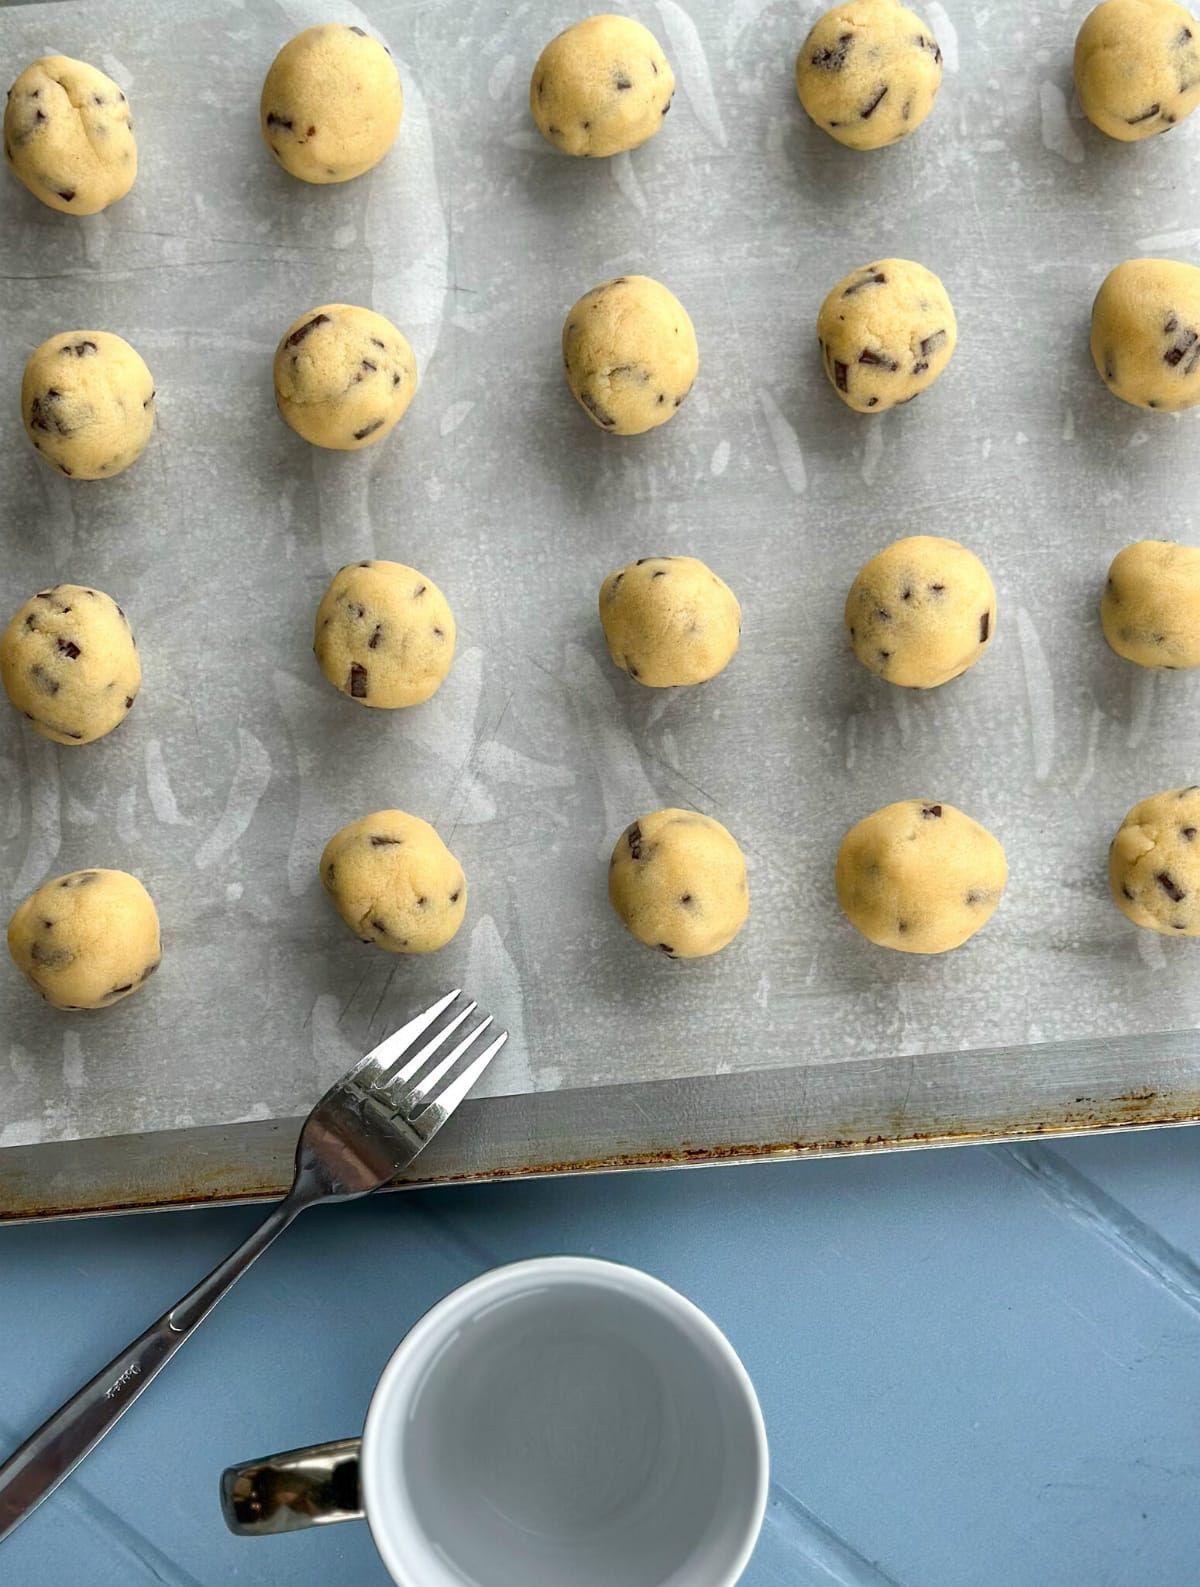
x: 297, y: 1489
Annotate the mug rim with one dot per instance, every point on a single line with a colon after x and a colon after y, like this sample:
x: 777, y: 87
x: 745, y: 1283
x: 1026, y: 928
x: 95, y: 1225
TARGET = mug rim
x: 558, y: 1269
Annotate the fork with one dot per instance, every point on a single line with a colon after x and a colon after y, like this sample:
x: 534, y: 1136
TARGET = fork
x: 363, y: 1131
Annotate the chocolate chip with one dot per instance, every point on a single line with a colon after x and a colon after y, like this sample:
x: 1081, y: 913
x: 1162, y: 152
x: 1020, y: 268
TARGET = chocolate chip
x: 872, y: 402
x: 66, y: 194
x: 685, y: 899
x: 1170, y: 325
x: 368, y: 429
x: 361, y: 33
x: 937, y: 589
x: 631, y: 669
x: 633, y: 838
x: 930, y: 342
x: 80, y: 349
x: 455, y: 895
x: 395, y: 380
x: 883, y: 613
x: 379, y: 841
x: 869, y: 110
x: 597, y: 412
x: 439, y: 633
x: 1181, y: 349
x: 306, y: 329
x: 358, y: 681
x: 118, y: 990
x: 834, y: 58
x: 1188, y: 833
x: 1133, y: 121
x: 985, y: 625
x: 1170, y: 886
x: 422, y: 903
x: 51, y: 958
x: 873, y: 278
x: 841, y: 375
x: 612, y: 588
x: 906, y: 110
x: 380, y: 927
x: 666, y: 948
x: 68, y: 648
x: 129, y: 702
x: 373, y: 642
x: 621, y: 83
x: 419, y: 591
x: 1184, y: 35
x: 868, y: 357
x: 931, y: 812
x: 931, y: 45
x: 667, y: 106
x: 311, y: 133
x: 1127, y: 893
x: 907, y: 595
x: 659, y: 573
x: 42, y: 678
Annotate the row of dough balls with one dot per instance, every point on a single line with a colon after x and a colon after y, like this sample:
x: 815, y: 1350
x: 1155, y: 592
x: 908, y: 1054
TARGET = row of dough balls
x: 917, y: 876
x: 344, y: 376
x: 918, y: 614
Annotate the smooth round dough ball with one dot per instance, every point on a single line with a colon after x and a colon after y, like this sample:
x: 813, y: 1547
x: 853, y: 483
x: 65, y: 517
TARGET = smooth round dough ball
x: 344, y: 377
x: 68, y: 136
x: 1137, y: 67
x: 677, y: 880
x: 602, y: 86
x: 1150, y: 609
x: 1154, y: 863
x: 630, y: 353
x: 395, y: 883
x: 68, y: 660
x: 919, y: 877
x: 886, y: 332
x: 669, y: 621
x: 87, y: 939
x: 385, y: 634
x: 88, y: 403
x: 869, y: 72
x: 331, y: 104
x: 921, y: 612
x: 1146, y: 333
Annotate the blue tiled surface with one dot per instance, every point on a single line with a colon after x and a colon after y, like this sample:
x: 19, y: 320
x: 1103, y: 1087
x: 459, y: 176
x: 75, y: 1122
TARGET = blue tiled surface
x: 978, y: 1367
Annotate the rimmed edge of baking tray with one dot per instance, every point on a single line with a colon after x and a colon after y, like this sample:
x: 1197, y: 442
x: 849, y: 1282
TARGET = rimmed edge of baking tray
x: 878, y: 1104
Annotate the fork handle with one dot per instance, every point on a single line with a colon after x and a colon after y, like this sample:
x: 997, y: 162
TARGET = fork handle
x: 53, y: 1452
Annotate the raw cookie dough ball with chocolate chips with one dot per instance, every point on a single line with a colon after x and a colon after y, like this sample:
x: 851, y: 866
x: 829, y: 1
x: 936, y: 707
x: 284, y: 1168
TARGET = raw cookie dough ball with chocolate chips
x: 88, y: 403
x: 868, y: 73
x: 919, y: 877
x: 1154, y: 863
x: 87, y: 939
x: 1137, y: 67
x: 385, y: 634
x: 630, y: 354
x: 669, y: 621
x: 1146, y: 333
x: 344, y: 377
x: 921, y: 612
x: 1150, y: 609
x: 331, y: 104
x: 886, y: 332
x: 68, y: 136
x: 677, y: 880
x: 69, y: 662
x: 395, y: 883
x: 602, y: 86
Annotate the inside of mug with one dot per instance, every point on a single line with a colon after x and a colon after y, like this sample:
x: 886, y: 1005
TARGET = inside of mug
x: 569, y: 1435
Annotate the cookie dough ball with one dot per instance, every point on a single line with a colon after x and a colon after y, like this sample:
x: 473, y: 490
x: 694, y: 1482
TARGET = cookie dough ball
x: 344, y: 377
x: 68, y: 136
x: 331, y: 104
x: 87, y: 939
x: 630, y: 352
x: 1146, y: 333
x: 921, y: 612
x: 886, y: 332
x: 395, y: 883
x: 868, y: 73
x: 602, y: 86
x: 1154, y: 864
x: 1150, y: 609
x: 88, y: 404
x: 919, y: 877
x: 68, y: 661
x: 385, y: 634
x: 669, y: 621
x: 1137, y: 67
x: 678, y: 881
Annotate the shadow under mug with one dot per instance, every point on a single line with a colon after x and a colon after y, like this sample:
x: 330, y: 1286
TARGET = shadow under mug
x: 562, y: 1422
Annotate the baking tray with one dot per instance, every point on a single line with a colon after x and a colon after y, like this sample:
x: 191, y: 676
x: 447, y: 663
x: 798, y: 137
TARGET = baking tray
x: 239, y: 762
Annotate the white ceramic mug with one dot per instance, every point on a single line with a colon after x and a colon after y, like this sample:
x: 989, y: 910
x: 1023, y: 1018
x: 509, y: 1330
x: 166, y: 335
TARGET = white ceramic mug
x: 563, y: 1422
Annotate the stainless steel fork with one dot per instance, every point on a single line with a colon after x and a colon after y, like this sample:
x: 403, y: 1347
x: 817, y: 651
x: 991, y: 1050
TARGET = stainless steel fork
x: 364, y: 1130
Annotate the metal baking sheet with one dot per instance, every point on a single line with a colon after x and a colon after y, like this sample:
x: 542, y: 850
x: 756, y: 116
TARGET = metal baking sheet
x: 475, y: 237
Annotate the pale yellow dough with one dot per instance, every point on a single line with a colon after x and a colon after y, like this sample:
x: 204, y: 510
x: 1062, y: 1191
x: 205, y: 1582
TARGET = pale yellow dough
x: 395, y: 883
x: 87, y: 939
x: 921, y: 612
x: 384, y: 634
x: 601, y: 87
x: 1146, y: 333
x: 344, y: 377
x: 886, y: 332
x: 68, y: 136
x: 1154, y: 863
x: 69, y: 663
x: 1137, y: 67
x: 331, y: 104
x: 919, y: 877
x: 1150, y: 609
x: 677, y: 880
x: 88, y: 403
x: 868, y: 73
x: 630, y: 354
x: 669, y: 621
